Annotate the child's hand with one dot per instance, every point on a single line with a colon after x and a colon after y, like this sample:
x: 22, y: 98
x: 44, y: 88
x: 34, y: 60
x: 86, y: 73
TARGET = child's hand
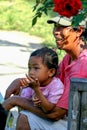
x: 33, y: 82
x: 36, y: 100
x: 24, y: 82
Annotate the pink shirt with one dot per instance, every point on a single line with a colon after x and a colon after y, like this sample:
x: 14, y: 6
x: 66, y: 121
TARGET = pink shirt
x: 53, y: 91
x: 77, y: 69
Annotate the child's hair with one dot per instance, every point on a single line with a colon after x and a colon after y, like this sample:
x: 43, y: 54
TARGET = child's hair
x: 49, y: 57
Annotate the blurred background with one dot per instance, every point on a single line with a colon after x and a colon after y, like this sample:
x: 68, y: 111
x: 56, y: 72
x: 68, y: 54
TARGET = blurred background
x: 18, y: 38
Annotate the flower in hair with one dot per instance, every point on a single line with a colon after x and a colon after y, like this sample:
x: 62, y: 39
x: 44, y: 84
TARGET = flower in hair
x: 67, y: 8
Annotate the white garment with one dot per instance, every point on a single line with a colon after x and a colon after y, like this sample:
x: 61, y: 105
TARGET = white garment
x: 38, y: 123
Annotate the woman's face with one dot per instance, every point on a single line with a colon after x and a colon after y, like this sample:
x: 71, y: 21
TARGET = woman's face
x: 64, y: 36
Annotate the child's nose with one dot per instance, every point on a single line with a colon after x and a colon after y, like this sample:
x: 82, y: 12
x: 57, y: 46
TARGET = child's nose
x: 31, y: 73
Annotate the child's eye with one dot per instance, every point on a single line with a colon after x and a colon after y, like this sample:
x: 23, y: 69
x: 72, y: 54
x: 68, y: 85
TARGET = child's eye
x: 36, y: 68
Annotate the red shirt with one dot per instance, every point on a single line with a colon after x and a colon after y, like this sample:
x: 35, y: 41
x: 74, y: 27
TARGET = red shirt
x: 67, y: 70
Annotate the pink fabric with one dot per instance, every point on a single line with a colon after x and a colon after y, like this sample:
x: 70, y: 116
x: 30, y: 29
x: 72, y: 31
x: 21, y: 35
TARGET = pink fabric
x: 53, y: 91
x: 77, y: 69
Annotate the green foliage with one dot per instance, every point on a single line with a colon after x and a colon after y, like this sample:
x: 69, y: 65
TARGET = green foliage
x: 77, y: 19
x: 82, y: 15
x: 18, y: 15
x: 15, y: 14
x: 43, y: 6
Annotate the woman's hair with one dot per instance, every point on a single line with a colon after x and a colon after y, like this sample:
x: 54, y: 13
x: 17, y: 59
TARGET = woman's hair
x: 84, y: 35
x: 49, y: 57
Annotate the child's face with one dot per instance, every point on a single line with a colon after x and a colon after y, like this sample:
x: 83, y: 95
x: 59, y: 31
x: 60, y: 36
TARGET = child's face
x: 38, y: 70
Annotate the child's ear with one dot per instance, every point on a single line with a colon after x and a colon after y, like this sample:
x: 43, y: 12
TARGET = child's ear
x: 52, y: 72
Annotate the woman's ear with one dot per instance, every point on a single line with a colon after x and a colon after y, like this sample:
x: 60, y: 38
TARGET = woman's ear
x: 80, y: 30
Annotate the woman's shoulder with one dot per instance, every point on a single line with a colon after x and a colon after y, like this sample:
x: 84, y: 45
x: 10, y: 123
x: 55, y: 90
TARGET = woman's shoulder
x: 66, y: 57
x: 65, y: 61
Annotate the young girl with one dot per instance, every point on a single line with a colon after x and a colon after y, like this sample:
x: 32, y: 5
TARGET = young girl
x: 42, y: 85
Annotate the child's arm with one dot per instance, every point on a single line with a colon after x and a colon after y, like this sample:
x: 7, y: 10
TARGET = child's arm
x: 42, y: 101
x: 45, y: 105
x: 56, y: 89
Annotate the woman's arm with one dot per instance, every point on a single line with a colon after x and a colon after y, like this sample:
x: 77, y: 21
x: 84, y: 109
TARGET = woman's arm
x: 55, y: 114
x: 13, y: 88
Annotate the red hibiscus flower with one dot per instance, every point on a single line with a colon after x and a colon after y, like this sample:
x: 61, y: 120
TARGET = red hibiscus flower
x: 67, y: 8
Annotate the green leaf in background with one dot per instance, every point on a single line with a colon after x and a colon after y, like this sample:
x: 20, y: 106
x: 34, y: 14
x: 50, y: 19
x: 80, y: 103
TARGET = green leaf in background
x: 34, y: 20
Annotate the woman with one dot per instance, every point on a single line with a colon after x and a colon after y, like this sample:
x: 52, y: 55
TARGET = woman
x: 73, y: 65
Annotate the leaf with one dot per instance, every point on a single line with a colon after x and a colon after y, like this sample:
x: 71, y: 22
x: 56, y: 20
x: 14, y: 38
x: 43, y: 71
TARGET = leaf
x: 39, y: 14
x: 34, y: 21
x: 45, y: 11
x: 34, y: 7
x: 77, y: 19
x: 40, y: 9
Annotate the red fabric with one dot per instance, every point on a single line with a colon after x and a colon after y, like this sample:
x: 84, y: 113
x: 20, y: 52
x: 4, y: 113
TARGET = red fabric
x: 77, y: 69
x: 67, y: 8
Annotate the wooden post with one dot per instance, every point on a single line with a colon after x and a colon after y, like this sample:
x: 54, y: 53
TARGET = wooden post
x: 77, y: 113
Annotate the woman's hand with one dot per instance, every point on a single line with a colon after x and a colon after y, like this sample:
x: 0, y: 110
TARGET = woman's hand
x: 10, y: 103
x: 13, y: 88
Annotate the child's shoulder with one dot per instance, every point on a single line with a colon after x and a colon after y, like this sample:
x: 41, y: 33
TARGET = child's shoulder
x: 56, y: 81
